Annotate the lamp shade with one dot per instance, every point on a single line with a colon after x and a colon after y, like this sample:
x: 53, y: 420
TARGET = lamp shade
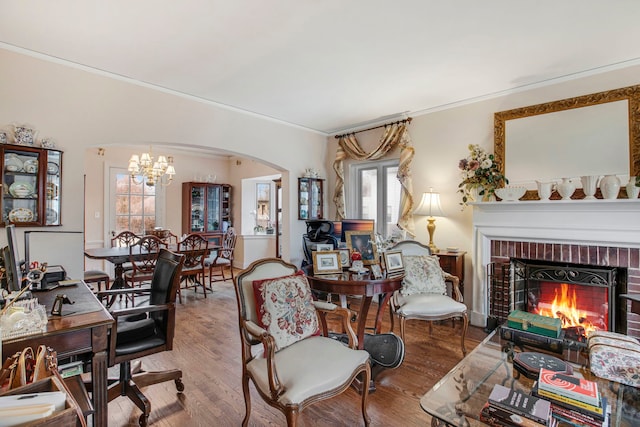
x: 429, y: 205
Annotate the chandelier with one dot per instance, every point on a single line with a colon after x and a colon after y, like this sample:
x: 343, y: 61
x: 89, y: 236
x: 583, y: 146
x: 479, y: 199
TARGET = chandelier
x: 152, y: 172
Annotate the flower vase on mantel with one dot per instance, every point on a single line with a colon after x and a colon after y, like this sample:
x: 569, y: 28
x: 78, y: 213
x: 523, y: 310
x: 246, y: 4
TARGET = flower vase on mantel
x: 474, y: 193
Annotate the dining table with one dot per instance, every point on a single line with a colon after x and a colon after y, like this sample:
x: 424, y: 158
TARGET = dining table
x: 120, y: 255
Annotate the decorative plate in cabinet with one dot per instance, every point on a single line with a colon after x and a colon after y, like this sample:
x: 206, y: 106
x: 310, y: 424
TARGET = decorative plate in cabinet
x: 21, y: 215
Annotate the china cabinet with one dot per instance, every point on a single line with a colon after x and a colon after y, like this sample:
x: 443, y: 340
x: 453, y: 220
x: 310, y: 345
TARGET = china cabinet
x: 310, y: 198
x: 206, y: 210
x: 31, y: 185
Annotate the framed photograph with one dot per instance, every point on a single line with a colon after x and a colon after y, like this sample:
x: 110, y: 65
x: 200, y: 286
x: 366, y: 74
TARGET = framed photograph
x: 365, y: 243
x: 345, y: 258
x: 376, y: 271
x: 326, y: 262
x: 393, y: 261
x: 324, y: 247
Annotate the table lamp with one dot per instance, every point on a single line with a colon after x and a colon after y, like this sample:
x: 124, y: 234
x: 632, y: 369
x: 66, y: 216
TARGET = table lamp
x: 430, y: 206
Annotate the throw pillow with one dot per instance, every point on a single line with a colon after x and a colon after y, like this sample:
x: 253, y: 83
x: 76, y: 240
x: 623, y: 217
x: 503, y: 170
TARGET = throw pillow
x: 284, y: 306
x: 422, y: 274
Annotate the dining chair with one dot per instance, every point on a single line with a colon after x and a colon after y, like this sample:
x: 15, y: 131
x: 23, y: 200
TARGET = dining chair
x: 144, y: 330
x: 424, y: 292
x: 296, y: 365
x: 124, y: 239
x: 142, y: 256
x: 195, y: 249
x: 223, y: 258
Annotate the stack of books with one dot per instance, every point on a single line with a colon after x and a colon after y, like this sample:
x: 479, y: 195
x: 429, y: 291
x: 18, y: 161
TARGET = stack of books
x: 507, y: 407
x: 574, y: 401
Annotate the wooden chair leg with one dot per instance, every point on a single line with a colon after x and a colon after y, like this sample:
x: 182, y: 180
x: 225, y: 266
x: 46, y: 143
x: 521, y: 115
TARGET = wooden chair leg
x: 247, y: 400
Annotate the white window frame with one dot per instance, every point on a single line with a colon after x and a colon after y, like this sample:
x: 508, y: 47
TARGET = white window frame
x: 354, y: 202
x: 109, y: 220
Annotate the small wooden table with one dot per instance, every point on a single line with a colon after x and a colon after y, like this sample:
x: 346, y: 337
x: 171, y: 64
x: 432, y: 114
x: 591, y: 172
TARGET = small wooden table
x: 80, y: 333
x: 364, y: 285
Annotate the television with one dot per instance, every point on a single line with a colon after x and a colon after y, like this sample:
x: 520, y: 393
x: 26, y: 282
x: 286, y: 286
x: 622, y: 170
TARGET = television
x: 341, y: 227
x: 12, y: 261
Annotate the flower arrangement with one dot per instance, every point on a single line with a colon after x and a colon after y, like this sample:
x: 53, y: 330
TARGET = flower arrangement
x: 479, y: 172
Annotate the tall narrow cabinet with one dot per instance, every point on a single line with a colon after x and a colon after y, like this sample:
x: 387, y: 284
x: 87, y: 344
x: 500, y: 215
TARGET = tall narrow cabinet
x: 31, y: 185
x: 206, y: 210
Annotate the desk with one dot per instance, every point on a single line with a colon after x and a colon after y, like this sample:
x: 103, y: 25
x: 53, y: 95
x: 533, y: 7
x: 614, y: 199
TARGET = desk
x: 363, y: 285
x: 72, y: 335
x: 458, y: 397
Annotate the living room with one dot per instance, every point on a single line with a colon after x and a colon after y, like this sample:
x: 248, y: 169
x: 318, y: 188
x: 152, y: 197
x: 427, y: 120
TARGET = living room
x: 85, y: 109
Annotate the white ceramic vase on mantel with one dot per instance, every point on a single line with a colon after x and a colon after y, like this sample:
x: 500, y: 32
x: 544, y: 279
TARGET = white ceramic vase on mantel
x: 566, y: 188
x: 610, y: 186
x: 589, y: 185
x: 632, y: 189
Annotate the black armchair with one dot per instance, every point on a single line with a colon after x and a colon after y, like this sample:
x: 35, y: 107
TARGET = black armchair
x: 144, y: 330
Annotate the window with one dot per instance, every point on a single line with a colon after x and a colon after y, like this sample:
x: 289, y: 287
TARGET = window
x: 135, y: 205
x: 376, y: 194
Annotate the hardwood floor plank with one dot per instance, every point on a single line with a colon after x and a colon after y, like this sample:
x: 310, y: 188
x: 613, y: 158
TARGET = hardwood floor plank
x: 207, y: 349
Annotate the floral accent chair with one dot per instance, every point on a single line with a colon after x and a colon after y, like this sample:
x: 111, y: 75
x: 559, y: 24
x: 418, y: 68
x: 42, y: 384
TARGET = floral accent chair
x: 286, y: 351
x: 424, y: 292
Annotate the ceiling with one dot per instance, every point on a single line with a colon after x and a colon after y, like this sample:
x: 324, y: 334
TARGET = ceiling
x: 331, y: 65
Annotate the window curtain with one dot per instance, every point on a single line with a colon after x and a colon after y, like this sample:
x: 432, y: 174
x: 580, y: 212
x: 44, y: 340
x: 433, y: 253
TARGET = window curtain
x: 395, y: 135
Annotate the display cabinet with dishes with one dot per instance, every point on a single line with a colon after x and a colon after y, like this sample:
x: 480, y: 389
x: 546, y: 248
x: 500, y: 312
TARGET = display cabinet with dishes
x: 30, y: 185
x: 206, y: 210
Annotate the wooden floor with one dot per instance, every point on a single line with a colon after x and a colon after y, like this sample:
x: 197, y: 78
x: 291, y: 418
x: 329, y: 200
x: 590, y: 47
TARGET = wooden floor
x: 207, y: 349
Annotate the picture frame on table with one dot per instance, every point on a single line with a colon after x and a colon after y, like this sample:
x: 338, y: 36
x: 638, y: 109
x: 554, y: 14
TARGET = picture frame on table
x: 345, y: 258
x: 393, y: 262
x: 326, y: 262
x: 321, y: 247
x: 376, y: 271
x: 363, y: 242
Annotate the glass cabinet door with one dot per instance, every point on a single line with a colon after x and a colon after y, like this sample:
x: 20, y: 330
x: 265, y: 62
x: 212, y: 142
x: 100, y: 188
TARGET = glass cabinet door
x: 197, y: 208
x: 21, y: 190
x: 213, y: 208
x: 310, y: 198
x: 52, y: 188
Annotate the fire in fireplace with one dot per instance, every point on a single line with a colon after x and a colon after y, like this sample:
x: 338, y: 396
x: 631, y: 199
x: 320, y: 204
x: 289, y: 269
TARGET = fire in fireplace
x: 582, y: 296
x: 582, y: 309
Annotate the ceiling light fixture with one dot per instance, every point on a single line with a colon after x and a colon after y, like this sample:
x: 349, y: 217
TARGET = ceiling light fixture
x: 152, y: 172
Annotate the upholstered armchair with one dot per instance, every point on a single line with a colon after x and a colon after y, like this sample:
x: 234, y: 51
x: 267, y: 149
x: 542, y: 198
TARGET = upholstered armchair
x: 424, y: 292
x: 286, y: 351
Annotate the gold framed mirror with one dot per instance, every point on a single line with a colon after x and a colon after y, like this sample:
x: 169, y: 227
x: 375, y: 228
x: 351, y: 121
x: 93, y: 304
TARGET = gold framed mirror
x: 623, y: 107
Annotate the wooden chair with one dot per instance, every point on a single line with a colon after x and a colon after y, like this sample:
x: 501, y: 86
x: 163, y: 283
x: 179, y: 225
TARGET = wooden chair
x: 195, y: 249
x: 124, y: 239
x: 141, y: 331
x: 312, y: 368
x: 223, y: 258
x: 420, y: 298
x: 142, y: 256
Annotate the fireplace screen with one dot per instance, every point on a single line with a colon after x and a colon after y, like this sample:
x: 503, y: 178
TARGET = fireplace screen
x: 582, y: 296
x: 581, y: 308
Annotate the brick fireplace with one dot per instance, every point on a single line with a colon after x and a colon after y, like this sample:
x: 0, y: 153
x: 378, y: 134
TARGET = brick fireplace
x: 597, y: 232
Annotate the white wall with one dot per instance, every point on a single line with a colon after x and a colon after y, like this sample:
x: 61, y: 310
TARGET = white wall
x: 441, y: 139
x: 83, y: 109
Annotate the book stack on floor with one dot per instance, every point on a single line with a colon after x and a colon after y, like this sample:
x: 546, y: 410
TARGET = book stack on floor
x: 508, y: 407
x: 574, y: 401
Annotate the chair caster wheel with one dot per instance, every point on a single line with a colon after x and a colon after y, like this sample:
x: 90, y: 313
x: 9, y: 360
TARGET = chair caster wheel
x: 143, y: 420
x: 179, y: 385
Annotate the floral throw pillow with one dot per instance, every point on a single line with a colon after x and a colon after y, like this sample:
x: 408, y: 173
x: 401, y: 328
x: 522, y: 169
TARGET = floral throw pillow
x: 284, y: 306
x: 422, y: 274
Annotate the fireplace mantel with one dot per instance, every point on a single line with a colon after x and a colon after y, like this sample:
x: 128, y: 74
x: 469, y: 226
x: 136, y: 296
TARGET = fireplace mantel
x: 602, y: 223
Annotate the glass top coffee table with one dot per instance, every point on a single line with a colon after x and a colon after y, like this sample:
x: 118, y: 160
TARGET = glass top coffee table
x: 459, y: 396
